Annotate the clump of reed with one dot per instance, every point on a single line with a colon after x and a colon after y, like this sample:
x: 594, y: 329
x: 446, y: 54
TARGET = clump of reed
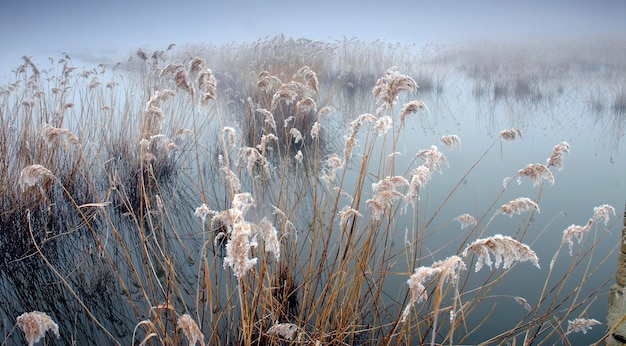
x: 207, y: 228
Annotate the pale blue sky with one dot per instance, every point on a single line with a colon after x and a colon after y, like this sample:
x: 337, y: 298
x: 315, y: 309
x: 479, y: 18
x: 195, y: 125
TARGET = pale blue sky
x: 93, y: 31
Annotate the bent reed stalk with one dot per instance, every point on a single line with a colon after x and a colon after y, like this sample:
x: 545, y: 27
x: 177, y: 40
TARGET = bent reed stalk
x: 296, y: 236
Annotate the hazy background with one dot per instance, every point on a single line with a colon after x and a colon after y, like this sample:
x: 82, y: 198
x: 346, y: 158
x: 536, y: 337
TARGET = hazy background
x: 96, y: 31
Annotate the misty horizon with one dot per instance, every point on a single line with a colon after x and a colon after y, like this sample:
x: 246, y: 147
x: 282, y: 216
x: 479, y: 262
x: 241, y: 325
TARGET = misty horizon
x: 92, y: 33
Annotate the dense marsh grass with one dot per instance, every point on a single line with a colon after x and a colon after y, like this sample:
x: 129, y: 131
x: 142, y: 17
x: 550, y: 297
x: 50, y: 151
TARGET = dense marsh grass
x: 236, y: 196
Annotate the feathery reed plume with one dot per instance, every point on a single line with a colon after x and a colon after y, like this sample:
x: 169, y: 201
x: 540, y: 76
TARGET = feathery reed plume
x: 466, y: 220
x: 558, y: 153
x: 518, y: 206
x: 181, y: 79
x: 31, y: 64
x: 190, y: 329
x: 416, y: 286
x: 329, y: 168
x: 169, y: 69
x: 239, y: 248
x: 409, y: 108
x: 346, y: 212
x: 575, y: 231
x: 35, y: 325
x: 385, y: 193
x: 196, y: 64
x: 388, y: 86
x: 251, y: 156
x: 242, y: 238
x: 207, y: 84
x: 287, y: 93
x: 286, y: 330
x: 383, y: 124
x: 356, y: 124
x: 267, y: 83
x: 299, y: 156
x: 155, y: 116
x: 309, y: 76
x: 232, y: 178
x: 581, y: 325
x: 449, y: 268
x: 306, y: 105
x: 326, y: 111
x: 419, y: 177
x: 288, y: 120
x: 505, y: 249
x: 265, y: 139
x: 202, y: 212
x: 231, y: 135
x: 51, y: 134
x: 536, y: 172
x: 603, y: 212
x: 521, y: 301
x: 297, y: 136
x: 288, y: 225
x: 510, y: 135
x: 142, y: 55
x: 451, y: 141
x: 394, y: 154
x: 349, y: 146
x: 269, y: 117
x: 433, y: 158
x: 315, y: 130
x: 29, y: 176
x: 270, y: 237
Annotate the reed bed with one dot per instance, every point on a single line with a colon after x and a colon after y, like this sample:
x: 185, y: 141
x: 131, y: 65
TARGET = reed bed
x: 140, y: 206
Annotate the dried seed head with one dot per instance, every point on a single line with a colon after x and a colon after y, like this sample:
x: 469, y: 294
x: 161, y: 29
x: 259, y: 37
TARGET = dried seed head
x: 511, y: 134
x: 466, y: 220
x: 519, y: 206
x: 558, y: 153
x: 35, y: 325
x: 29, y: 176
x: 286, y: 330
x: 505, y: 249
x: 536, y: 172
x: 451, y: 141
x: 388, y: 86
x: 190, y: 329
x: 432, y: 158
x: 409, y: 108
x: 580, y: 325
x: 309, y: 76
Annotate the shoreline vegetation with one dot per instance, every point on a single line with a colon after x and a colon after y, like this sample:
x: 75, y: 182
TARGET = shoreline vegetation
x: 262, y: 194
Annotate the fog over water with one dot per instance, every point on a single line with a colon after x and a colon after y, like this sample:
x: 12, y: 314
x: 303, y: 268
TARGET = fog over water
x: 580, y: 105
x: 92, y: 32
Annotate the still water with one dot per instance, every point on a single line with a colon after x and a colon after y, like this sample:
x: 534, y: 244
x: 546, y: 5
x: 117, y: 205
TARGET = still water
x: 594, y: 174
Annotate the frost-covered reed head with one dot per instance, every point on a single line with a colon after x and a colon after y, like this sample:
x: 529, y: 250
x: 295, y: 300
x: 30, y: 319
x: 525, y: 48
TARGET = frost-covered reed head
x: 29, y: 176
x: 35, y: 325
x: 390, y: 85
x: 190, y: 329
x: 505, y: 249
x: 448, y: 269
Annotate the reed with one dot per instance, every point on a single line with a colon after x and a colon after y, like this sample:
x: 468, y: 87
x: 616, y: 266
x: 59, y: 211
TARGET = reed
x: 217, y: 207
